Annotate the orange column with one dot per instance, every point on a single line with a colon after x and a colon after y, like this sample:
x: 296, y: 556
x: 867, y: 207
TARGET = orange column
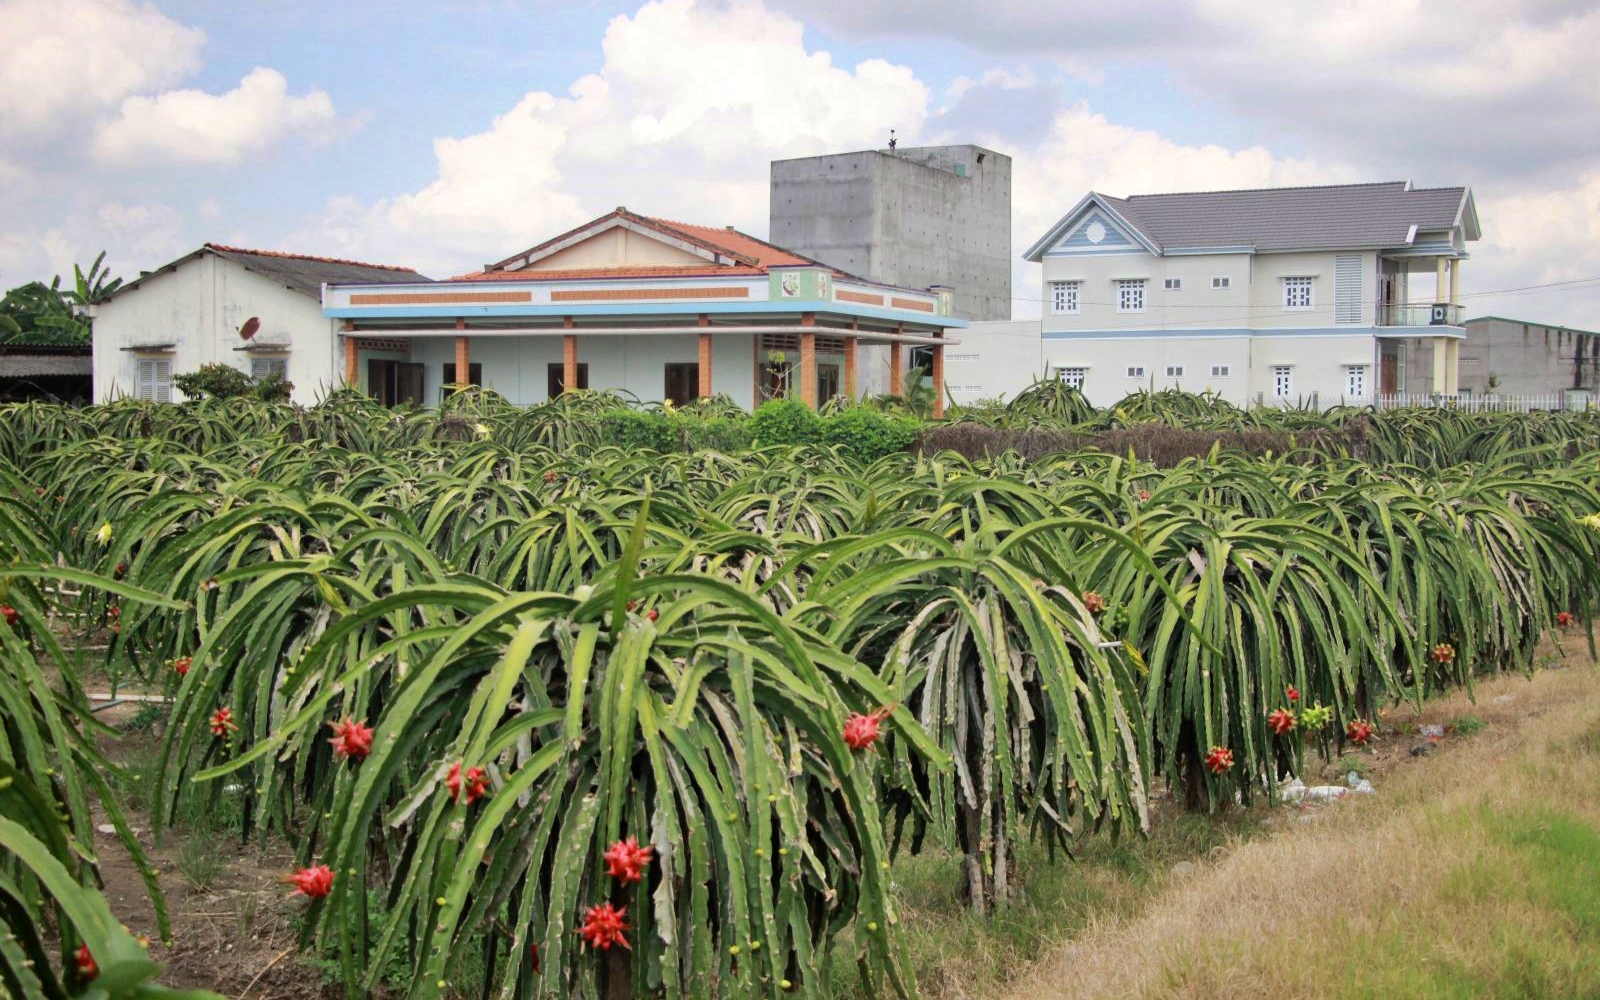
x: 808, y: 362
x: 569, y: 357
x: 938, y: 380
x: 850, y: 365
x: 352, y: 371
x: 897, y: 369
x: 705, y: 359
x: 463, y: 355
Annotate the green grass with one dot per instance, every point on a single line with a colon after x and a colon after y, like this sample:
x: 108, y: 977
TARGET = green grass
x: 1050, y: 900
x: 1531, y: 903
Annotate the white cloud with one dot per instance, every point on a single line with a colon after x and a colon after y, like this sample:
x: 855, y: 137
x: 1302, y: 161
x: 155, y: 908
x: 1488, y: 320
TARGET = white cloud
x: 133, y: 235
x: 683, y: 116
x: 64, y: 61
x: 191, y: 126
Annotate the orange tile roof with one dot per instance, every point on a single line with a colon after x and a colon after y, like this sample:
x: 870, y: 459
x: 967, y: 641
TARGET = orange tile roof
x: 301, y: 256
x: 754, y: 256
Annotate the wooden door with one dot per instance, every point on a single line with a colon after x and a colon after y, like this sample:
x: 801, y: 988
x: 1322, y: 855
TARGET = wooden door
x: 408, y: 383
x: 682, y: 383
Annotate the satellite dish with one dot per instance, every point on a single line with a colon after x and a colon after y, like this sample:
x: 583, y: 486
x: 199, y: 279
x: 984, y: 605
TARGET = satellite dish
x: 249, y: 329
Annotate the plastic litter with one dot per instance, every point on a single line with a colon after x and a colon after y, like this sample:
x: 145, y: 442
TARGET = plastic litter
x: 1433, y: 729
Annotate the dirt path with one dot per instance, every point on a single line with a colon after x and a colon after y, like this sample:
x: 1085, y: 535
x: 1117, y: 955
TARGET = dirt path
x: 1438, y: 885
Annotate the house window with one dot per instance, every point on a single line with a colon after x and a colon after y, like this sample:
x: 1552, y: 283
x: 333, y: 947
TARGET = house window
x: 1174, y: 284
x: 1282, y: 381
x: 682, y: 382
x: 1221, y: 371
x: 1064, y: 298
x: 1297, y: 293
x: 265, y: 368
x: 1130, y: 295
x: 1072, y: 377
x: 1219, y: 283
x: 1347, y: 288
x: 1174, y: 371
x: 474, y: 373
x: 153, y: 380
x: 553, y: 378
x: 1136, y: 371
x: 1355, y: 381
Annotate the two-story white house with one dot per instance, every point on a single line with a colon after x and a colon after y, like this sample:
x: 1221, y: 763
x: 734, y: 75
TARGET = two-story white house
x: 1277, y: 296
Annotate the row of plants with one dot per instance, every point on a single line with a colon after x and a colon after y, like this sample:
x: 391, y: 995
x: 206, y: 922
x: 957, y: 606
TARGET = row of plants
x: 620, y: 721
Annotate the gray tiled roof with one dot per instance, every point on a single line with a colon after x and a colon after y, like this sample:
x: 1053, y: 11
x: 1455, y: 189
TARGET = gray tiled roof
x: 1334, y: 217
x: 308, y: 274
x: 302, y: 273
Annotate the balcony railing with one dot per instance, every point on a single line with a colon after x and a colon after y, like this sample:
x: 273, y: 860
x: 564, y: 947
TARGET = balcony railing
x: 1419, y: 314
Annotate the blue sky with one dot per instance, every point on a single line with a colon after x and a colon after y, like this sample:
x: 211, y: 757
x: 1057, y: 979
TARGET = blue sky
x: 445, y: 135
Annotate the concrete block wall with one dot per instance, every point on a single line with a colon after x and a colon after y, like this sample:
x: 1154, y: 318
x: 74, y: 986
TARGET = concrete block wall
x: 919, y: 216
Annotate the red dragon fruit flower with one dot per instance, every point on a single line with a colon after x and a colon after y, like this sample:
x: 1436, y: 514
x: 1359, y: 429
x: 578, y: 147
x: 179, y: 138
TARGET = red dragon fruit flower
x: 861, y: 731
x: 1093, y: 602
x: 1219, y: 759
x: 9, y: 614
x: 1442, y: 653
x: 652, y: 614
x: 313, y: 883
x: 87, y: 970
x: 1565, y: 619
x: 222, y: 722
x: 475, y: 784
x: 1144, y: 495
x: 1293, y: 693
x: 182, y: 665
x: 603, y: 927
x: 1280, y: 720
x: 626, y: 860
x: 350, y: 740
x: 1359, y: 731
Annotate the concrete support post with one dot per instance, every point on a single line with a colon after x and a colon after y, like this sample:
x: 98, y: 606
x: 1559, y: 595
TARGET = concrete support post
x: 938, y: 380
x: 1439, y: 284
x: 1452, y: 367
x: 463, y: 355
x: 1455, y: 282
x: 808, y: 362
x: 352, y: 363
x: 705, y: 358
x: 897, y: 365
x: 569, y: 362
x: 850, y: 365
x: 1441, y: 361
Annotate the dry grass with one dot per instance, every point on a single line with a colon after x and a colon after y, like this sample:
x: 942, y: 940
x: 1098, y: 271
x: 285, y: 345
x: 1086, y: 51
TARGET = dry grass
x: 1474, y: 872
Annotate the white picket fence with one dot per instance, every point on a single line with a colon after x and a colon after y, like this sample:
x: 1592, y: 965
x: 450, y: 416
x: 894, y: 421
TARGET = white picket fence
x: 1466, y: 403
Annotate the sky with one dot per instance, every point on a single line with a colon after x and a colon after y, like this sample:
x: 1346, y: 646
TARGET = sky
x: 447, y: 134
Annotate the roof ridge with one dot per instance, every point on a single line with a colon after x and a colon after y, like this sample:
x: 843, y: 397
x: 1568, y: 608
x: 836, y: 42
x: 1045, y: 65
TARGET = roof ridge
x: 224, y: 248
x: 1257, y: 190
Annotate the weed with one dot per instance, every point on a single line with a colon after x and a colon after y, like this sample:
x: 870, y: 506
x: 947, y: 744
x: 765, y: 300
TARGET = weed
x: 1466, y: 725
x: 1353, y: 762
x: 199, y: 863
x: 149, y: 716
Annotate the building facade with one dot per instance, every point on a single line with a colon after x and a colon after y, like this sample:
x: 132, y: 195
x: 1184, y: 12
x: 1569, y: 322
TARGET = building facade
x: 256, y: 310
x: 660, y: 309
x: 1524, y: 358
x: 915, y: 217
x: 1283, y: 296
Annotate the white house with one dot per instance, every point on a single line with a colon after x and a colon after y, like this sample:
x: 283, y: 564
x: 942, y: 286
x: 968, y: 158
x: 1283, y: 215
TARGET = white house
x: 660, y: 309
x: 259, y: 311
x: 1282, y: 296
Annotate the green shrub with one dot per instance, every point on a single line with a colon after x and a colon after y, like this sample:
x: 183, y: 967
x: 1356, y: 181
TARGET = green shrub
x: 725, y: 434
x: 638, y: 430
x: 868, y: 435
x: 220, y: 381
x: 785, y: 421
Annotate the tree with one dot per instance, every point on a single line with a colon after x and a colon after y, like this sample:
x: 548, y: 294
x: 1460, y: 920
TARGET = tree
x: 37, y: 313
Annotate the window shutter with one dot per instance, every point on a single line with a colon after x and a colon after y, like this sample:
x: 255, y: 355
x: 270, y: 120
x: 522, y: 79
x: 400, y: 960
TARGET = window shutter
x: 1347, y: 288
x: 162, y: 380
